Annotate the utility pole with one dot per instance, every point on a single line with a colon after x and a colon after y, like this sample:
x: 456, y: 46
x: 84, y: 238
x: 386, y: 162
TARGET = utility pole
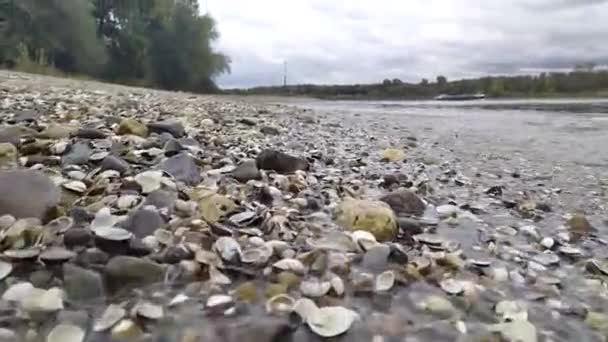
x: 285, y: 74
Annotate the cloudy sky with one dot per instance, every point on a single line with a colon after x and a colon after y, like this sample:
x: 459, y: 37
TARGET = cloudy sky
x: 361, y: 41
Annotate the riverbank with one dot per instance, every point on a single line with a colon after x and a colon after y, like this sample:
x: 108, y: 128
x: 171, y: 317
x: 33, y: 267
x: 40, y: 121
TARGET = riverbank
x: 191, y: 218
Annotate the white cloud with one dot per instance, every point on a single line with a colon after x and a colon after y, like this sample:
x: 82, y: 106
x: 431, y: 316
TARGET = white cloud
x: 358, y: 41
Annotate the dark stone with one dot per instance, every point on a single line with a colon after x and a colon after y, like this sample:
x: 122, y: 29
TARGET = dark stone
x: 115, y: 163
x: 43, y: 160
x: 137, y: 248
x: 389, y: 180
x: 90, y: 133
x: 269, y: 130
x: 404, y: 202
x: 80, y: 215
x: 280, y: 162
x: 41, y: 278
x: 77, y: 153
x: 112, y: 247
x: 183, y: 168
x: 246, y: 171
x: 27, y: 193
x: 124, y: 272
x: 175, y: 254
x: 93, y: 256
x: 544, y: 206
x: 247, y: 121
x: 175, y: 128
x: 143, y: 222
x: 82, y: 285
x: 172, y: 147
x: 77, y: 237
x: 161, y: 199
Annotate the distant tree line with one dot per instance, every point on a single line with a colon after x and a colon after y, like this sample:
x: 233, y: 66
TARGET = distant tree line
x: 583, y: 81
x: 159, y: 43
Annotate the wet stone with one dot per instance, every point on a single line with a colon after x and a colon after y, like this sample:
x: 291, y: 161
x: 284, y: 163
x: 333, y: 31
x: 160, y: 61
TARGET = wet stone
x: 376, y: 258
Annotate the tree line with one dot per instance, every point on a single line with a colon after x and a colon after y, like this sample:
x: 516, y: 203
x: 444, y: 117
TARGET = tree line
x: 158, y: 43
x: 582, y: 81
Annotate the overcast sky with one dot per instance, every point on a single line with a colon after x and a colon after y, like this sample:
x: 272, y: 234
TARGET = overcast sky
x: 362, y: 41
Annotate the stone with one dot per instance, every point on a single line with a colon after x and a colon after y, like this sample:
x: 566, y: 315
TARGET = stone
x: 172, y: 147
x: 57, y: 131
x: 578, y: 224
x: 280, y: 162
x: 132, y: 127
x: 126, y: 272
x: 77, y: 153
x: 26, y: 116
x: 82, y: 285
x: 175, y: 128
x: 246, y: 171
x: 143, y: 222
x: 213, y: 206
x: 13, y: 134
x: 248, y: 121
x: 393, y: 155
x: 161, y: 199
x: 8, y: 154
x: 404, y: 202
x: 115, y: 163
x: 90, y: 133
x: 77, y: 237
x: 32, y: 194
x: 270, y: 130
x: 376, y: 258
x: 183, y: 168
x: 372, y: 216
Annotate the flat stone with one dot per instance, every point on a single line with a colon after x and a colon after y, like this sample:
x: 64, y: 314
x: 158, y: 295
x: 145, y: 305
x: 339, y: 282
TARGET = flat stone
x: 270, y: 130
x: 57, y: 131
x: 32, y: 194
x: 183, y: 168
x: 77, y: 237
x: 161, y: 199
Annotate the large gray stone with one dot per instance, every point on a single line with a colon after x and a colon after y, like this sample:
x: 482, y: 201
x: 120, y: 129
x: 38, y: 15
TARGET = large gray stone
x: 143, y: 222
x: 123, y: 272
x: 246, y: 171
x: 82, y: 285
x: 27, y: 193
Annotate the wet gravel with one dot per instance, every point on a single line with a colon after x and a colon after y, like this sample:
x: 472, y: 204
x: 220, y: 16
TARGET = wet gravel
x: 156, y: 216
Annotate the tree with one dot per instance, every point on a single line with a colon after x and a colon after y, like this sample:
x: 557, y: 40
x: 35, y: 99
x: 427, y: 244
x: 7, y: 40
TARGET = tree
x: 57, y: 32
x: 397, y: 81
x: 387, y: 82
x: 441, y: 81
x: 424, y: 82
